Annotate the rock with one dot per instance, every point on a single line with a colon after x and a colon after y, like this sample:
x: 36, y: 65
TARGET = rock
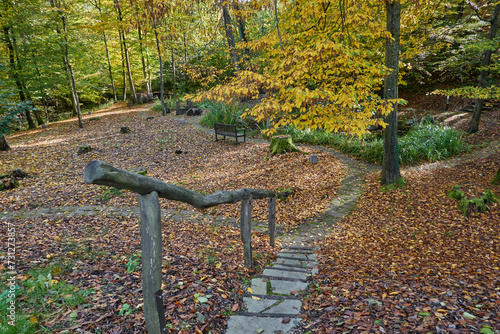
x: 18, y: 173
x: 194, y: 111
x: 84, y: 149
x: 10, y: 180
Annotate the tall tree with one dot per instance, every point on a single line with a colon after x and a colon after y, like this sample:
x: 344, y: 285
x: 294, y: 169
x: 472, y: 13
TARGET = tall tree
x: 390, y: 167
x: 14, y: 63
x: 325, y: 75
x: 228, y: 28
x: 478, y: 108
x: 125, y: 50
x: 63, y: 43
x: 97, y: 5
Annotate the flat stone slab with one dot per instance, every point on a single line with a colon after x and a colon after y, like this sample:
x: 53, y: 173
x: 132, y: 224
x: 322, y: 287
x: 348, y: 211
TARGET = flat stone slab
x: 335, y: 214
x: 298, y: 269
x: 298, y: 256
x: 259, y: 286
x: 273, y: 306
x: 238, y: 324
x: 285, y: 273
x: 296, y: 263
x: 287, y: 287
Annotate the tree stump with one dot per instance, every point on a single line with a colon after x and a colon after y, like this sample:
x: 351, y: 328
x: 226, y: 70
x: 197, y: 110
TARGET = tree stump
x: 10, y: 181
x: 496, y: 179
x: 282, y: 144
x: 4, y: 145
x: 473, y: 198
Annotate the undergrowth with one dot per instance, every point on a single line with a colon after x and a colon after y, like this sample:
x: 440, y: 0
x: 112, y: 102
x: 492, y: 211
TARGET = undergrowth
x: 37, y: 297
x: 225, y: 113
x: 424, y: 142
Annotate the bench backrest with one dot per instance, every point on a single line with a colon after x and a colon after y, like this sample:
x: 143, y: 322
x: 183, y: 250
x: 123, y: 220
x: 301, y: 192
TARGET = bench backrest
x: 225, y: 127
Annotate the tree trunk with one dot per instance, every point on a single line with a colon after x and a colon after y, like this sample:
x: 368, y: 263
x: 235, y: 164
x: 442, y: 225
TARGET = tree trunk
x: 67, y: 64
x: 76, y: 100
x: 124, y: 72
x: 15, y: 75
x: 390, y: 167
x: 4, y: 145
x: 97, y: 4
x: 42, y: 90
x: 241, y: 23
x: 478, y: 108
x: 162, y: 86
x: 278, y: 23
x: 143, y: 61
x: 127, y: 58
x: 129, y: 70
x: 110, y: 69
x: 173, y: 71
x: 97, y: 172
x: 230, y: 37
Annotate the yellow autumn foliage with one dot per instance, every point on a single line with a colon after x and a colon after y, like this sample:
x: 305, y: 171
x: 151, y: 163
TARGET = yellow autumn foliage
x: 326, y: 75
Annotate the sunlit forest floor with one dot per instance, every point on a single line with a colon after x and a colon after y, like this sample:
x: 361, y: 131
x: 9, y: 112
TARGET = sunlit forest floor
x: 405, y: 260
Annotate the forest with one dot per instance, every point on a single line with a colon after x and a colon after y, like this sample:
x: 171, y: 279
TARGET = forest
x: 59, y: 57
x: 381, y: 215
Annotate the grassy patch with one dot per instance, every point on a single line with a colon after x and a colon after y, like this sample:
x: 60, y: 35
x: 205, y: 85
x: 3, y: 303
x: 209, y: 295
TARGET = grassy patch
x: 219, y: 112
x: 39, y: 298
x: 170, y: 103
x: 424, y: 142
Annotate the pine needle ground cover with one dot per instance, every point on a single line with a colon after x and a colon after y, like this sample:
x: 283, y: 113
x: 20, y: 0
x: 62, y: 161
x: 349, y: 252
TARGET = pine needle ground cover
x: 407, y: 261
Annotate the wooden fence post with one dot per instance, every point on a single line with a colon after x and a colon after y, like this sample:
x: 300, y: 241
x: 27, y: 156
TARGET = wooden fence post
x: 246, y: 230
x: 271, y: 221
x: 149, y: 210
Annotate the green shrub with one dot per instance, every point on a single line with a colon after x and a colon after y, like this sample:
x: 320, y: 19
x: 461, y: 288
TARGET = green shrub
x: 225, y: 113
x: 157, y: 106
x: 430, y: 142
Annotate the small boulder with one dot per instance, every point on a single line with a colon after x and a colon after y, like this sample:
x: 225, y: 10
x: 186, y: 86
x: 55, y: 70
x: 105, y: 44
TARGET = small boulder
x: 84, y: 149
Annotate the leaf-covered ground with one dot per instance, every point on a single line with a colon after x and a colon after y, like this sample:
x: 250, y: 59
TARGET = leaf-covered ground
x: 406, y: 261
x: 94, y: 254
x: 98, y: 257
x: 204, y: 165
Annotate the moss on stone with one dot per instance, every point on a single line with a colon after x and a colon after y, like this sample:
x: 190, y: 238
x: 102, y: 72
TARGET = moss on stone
x: 455, y: 193
x: 467, y: 206
x: 282, y: 144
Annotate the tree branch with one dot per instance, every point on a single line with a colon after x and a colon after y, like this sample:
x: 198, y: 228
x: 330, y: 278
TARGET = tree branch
x: 98, y: 172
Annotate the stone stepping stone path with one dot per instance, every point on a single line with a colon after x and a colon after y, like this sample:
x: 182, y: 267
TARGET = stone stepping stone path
x: 272, y: 304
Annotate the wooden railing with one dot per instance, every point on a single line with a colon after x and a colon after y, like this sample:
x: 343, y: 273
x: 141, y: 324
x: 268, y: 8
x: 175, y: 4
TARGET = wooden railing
x: 149, y: 191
